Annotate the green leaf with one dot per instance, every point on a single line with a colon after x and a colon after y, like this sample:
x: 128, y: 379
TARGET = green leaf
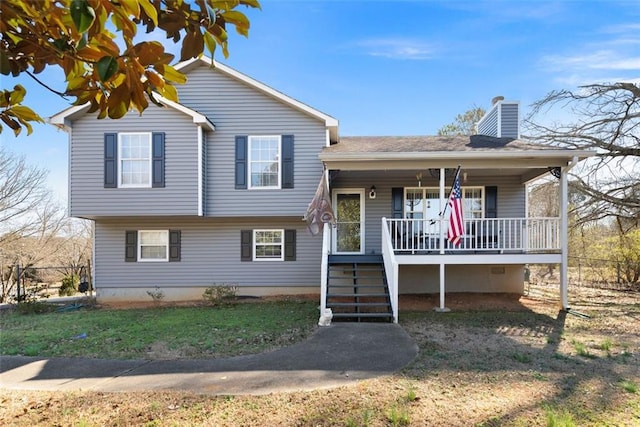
x: 82, y: 14
x: 107, y: 66
x: 17, y: 95
x: 210, y: 42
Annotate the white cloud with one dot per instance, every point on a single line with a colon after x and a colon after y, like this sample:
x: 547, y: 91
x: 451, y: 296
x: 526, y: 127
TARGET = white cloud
x: 398, y: 48
x: 599, y: 60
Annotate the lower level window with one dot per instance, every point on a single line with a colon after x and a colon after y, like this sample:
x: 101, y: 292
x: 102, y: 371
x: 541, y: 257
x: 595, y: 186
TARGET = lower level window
x: 153, y: 245
x: 268, y: 245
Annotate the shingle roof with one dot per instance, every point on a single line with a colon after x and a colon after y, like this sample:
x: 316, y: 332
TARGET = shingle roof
x: 416, y: 144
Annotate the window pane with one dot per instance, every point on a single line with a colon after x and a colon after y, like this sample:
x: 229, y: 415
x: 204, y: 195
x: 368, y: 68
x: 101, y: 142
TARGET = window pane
x: 153, y: 237
x: 264, y: 165
x: 135, y: 159
x: 268, y: 244
x: 348, y: 236
x: 153, y: 252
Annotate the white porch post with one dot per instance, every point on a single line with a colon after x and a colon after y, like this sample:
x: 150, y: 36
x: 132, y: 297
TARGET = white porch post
x: 442, y: 307
x: 564, y: 237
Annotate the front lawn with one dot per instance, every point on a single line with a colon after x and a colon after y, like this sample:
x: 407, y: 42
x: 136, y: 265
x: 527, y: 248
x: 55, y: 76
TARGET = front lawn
x: 159, y: 332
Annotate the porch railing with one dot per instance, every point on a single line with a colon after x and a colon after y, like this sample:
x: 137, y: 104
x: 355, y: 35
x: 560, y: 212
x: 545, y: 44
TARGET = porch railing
x: 523, y: 235
x: 390, y: 268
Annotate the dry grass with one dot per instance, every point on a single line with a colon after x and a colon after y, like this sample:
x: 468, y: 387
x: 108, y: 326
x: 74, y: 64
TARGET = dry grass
x: 507, y: 362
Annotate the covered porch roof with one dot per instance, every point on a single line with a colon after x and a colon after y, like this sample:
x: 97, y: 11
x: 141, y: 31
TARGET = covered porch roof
x: 480, y: 152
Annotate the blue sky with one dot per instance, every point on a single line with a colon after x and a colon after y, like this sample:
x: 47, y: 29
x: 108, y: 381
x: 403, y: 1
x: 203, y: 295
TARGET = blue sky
x: 400, y: 67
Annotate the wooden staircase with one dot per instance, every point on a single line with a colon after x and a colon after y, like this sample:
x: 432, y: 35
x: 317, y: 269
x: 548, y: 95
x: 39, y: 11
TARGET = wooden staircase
x: 357, y: 289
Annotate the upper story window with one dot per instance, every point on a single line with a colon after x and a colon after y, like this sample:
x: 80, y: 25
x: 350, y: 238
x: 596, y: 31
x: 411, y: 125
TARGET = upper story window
x: 134, y: 154
x: 264, y: 161
x: 134, y: 160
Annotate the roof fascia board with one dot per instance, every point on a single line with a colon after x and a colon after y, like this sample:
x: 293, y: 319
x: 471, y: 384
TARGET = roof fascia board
x: 63, y: 118
x: 440, y: 163
x: 446, y: 155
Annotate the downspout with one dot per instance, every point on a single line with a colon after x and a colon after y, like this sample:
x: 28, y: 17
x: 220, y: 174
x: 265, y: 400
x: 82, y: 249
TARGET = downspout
x: 564, y: 233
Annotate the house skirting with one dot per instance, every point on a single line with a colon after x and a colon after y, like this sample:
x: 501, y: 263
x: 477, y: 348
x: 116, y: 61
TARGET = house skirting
x: 425, y: 279
x: 193, y: 293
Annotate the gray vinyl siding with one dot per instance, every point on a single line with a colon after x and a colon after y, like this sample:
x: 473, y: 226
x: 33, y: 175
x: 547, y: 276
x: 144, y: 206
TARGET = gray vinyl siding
x: 511, y: 197
x: 509, y: 121
x: 237, y: 109
x: 502, y: 121
x: 210, y: 253
x: 89, y: 198
x: 489, y: 126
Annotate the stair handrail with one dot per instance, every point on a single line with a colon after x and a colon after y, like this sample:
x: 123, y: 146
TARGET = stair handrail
x: 390, y: 267
x: 324, y: 266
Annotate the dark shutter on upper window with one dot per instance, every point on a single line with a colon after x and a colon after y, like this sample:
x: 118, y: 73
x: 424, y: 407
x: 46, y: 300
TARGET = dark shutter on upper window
x: 174, y: 245
x: 287, y: 161
x: 397, y: 202
x: 289, y: 245
x: 491, y: 202
x: 131, y: 246
x: 246, y: 245
x: 241, y: 162
x: 110, y: 160
x: 157, y: 159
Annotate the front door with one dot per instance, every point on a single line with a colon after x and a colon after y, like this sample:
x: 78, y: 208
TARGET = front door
x: 348, y: 235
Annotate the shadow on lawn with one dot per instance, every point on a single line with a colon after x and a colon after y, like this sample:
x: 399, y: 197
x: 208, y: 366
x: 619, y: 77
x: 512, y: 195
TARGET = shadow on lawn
x: 520, y: 341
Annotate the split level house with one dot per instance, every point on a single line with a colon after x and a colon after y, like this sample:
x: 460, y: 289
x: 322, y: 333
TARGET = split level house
x: 212, y: 191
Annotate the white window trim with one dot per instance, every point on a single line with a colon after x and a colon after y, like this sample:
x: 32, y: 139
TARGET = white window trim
x: 273, y: 187
x: 119, y: 166
x: 255, y: 244
x: 139, y: 249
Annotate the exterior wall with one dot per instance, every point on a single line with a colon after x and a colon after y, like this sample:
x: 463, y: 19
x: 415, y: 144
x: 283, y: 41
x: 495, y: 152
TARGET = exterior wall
x: 503, y: 120
x: 210, y: 253
x: 509, y: 121
x: 511, y: 197
x: 237, y: 109
x: 89, y: 198
x: 419, y: 279
x: 489, y: 126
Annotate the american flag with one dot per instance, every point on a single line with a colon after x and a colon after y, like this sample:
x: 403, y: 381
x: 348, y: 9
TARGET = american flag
x: 456, y: 219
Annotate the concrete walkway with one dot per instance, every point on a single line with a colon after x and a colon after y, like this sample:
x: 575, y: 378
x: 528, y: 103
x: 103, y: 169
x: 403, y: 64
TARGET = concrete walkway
x: 340, y: 354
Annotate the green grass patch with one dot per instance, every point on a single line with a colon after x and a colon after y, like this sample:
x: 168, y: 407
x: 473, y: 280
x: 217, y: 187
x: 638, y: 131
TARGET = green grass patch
x: 188, y: 332
x: 629, y: 386
x: 582, y: 350
x: 559, y: 418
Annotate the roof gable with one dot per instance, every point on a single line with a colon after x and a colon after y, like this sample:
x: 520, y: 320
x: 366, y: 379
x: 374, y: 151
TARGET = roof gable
x: 330, y: 122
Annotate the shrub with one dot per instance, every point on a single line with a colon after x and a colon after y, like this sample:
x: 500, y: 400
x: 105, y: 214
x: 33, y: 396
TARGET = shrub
x: 220, y: 294
x: 156, y: 295
x: 69, y: 285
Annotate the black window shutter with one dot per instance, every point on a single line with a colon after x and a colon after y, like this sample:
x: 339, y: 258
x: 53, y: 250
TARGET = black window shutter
x: 289, y: 245
x: 246, y: 245
x: 157, y: 156
x: 131, y: 246
x: 241, y: 162
x: 397, y: 202
x: 174, y: 245
x: 110, y: 160
x: 491, y: 202
x: 287, y: 161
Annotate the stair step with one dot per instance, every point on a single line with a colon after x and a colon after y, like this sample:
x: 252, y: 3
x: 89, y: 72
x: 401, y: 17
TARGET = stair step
x: 357, y: 304
x: 355, y: 259
x: 357, y: 295
x: 359, y: 285
x: 379, y: 315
